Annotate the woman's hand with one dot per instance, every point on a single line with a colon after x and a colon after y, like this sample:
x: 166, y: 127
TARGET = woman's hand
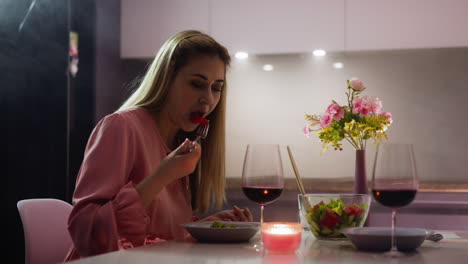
x: 236, y: 214
x: 179, y: 163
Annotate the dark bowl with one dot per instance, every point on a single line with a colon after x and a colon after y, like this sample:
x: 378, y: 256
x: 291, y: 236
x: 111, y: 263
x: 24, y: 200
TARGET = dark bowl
x: 203, y: 232
x: 379, y: 238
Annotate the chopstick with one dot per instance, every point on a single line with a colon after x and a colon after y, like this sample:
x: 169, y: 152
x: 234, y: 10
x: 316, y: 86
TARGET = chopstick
x: 296, y: 172
x: 298, y: 179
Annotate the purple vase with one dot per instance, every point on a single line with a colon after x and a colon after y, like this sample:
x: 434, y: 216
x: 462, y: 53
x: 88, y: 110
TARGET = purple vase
x: 360, y: 173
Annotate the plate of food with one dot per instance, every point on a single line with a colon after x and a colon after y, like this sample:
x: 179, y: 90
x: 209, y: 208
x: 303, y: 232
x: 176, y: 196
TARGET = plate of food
x: 379, y: 238
x: 222, y: 231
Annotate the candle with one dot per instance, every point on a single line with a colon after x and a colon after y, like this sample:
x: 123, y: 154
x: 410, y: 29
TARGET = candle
x: 281, y: 236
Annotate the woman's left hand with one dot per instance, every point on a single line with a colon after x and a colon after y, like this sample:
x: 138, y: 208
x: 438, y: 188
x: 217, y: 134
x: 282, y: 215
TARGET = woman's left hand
x: 236, y: 214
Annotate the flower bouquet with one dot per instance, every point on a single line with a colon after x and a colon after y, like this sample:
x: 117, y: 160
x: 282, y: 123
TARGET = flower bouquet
x: 356, y: 122
x: 360, y: 119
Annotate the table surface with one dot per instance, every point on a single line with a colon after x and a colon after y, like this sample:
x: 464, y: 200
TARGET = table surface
x: 452, y: 249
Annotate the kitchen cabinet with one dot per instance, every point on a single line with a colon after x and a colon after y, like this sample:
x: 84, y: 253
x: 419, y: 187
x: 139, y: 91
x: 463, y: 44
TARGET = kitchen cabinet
x: 268, y: 27
x: 147, y: 24
x: 273, y: 27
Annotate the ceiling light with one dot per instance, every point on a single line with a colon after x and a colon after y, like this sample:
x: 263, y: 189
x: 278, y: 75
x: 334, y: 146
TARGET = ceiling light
x: 268, y: 67
x: 241, y: 55
x: 338, y: 65
x: 319, y: 52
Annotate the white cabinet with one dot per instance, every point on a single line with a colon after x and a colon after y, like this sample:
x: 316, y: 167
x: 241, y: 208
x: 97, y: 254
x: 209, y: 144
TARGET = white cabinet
x: 147, y: 24
x: 403, y: 24
x: 272, y: 26
x: 279, y: 26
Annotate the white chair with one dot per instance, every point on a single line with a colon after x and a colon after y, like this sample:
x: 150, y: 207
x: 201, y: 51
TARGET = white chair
x: 46, y: 236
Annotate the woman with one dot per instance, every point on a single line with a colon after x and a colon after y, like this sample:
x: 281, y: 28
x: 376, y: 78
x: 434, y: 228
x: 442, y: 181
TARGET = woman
x: 134, y: 187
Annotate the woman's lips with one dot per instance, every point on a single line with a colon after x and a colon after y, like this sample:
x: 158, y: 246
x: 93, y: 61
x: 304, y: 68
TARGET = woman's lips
x: 197, y: 118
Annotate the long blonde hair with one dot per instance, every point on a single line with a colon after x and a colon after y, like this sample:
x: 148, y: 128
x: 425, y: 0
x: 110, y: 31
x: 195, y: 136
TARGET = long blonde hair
x: 208, y: 182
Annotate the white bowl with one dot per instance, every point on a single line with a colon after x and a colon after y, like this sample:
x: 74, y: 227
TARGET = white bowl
x: 379, y: 238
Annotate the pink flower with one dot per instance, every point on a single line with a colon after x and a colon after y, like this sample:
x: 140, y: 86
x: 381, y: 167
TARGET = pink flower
x: 326, y: 120
x: 357, y: 106
x: 335, y: 111
x: 339, y: 114
x: 388, y: 116
x: 374, y: 103
x: 332, y: 108
x: 306, y: 131
x: 357, y: 85
x: 365, y: 111
x: 367, y: 106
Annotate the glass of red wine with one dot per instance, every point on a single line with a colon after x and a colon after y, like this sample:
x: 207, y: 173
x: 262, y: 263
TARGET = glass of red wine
x: 262, y: 175
x: 394, y: 180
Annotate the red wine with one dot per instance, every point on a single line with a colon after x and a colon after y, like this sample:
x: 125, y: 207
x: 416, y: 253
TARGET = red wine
x: 262, y: 195
x: 394, y: 198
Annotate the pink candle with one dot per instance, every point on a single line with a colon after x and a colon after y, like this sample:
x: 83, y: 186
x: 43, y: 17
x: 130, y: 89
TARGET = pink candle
x: 281, y: 236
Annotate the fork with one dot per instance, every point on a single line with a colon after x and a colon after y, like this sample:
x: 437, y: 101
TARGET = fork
x: 435, y: 237
x: 202, y: 132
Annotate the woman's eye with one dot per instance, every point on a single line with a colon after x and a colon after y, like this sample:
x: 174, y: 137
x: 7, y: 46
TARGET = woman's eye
x: 217, y: 88
x: 197, y: 84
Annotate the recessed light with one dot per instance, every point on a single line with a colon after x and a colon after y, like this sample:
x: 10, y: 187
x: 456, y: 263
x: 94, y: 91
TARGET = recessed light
x: 268, y: 67
x: 241, y: 55
x: 338, y: 65
x: 319, y: 52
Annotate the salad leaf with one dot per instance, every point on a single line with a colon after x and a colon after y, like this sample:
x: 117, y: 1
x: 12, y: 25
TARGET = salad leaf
x: 326, y: 220
x: 217, y: 224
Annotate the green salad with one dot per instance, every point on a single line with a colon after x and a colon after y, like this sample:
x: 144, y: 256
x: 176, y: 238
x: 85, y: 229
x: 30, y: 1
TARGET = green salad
x: 326, y: 220
x: 217, y: 224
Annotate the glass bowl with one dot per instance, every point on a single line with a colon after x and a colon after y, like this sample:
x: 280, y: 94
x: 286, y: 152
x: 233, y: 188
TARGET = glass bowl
x: 327, y: 214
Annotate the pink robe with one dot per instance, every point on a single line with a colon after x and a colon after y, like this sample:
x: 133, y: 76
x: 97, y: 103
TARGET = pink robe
x: 124, y: 148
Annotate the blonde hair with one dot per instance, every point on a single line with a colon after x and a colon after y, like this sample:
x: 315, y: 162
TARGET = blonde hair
x: 208, y: 182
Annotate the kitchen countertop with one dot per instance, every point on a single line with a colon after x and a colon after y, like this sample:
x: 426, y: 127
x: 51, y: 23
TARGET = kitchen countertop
x: 341, y: 185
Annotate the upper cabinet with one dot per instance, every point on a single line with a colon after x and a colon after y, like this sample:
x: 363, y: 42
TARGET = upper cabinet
x: 265, y: 26
x: 274, y: 26
x: 147, y: 24
x: 403, y: 24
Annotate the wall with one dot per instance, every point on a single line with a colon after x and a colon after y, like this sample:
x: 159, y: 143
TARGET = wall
x: 114, y: 76
x: 424, y: 89
x: 110, y: 80
x: 108, y: 64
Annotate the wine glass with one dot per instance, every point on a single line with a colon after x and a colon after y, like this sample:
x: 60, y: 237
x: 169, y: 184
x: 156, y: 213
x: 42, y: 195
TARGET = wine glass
x: 394, y: 179
x: 262, y: 175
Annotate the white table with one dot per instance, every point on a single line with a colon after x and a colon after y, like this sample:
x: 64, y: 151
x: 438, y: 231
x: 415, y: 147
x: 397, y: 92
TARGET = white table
x: 451, y: 250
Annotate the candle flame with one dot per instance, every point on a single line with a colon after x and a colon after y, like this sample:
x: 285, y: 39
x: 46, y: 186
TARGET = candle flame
x: 282, y: 229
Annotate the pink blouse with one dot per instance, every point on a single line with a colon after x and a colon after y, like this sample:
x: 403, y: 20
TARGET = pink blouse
x: 123, y: 149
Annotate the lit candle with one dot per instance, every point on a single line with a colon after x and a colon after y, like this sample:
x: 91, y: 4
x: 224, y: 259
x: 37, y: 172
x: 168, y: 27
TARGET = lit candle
x: 281, y: 237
